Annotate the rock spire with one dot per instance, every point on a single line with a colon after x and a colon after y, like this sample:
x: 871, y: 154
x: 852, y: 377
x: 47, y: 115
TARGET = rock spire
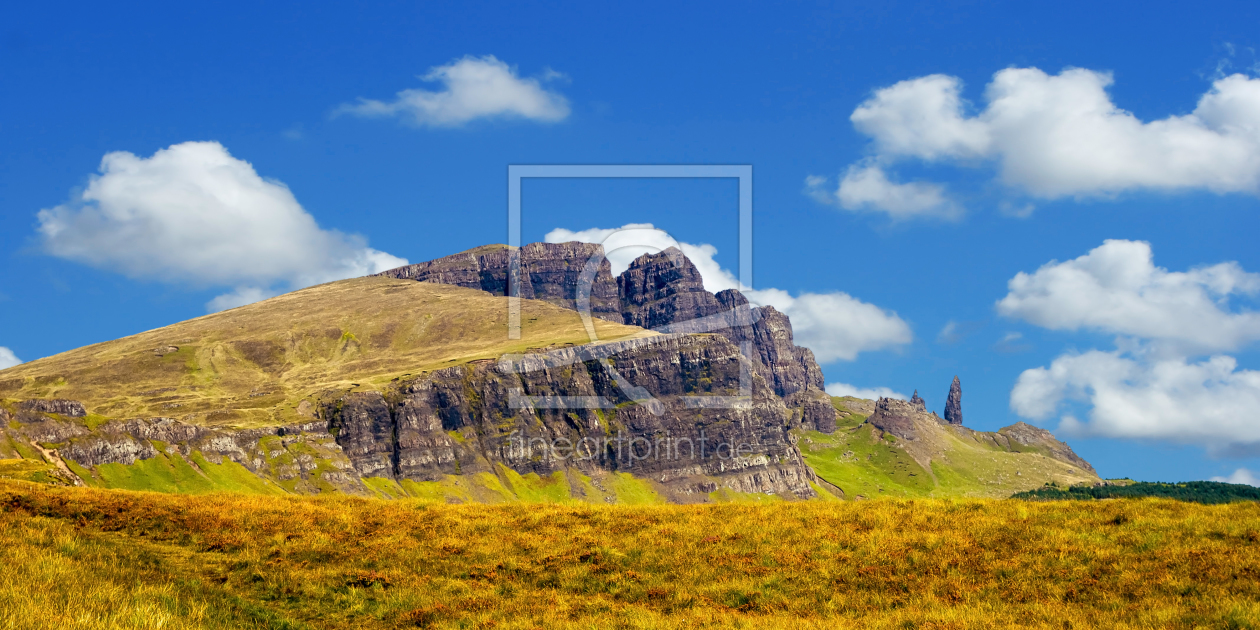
x: 918, y: 402
x: 953, y: 405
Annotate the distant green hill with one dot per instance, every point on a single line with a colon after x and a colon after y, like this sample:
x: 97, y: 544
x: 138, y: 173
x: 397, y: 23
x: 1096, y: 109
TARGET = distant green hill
x: 920, y: 455
x: 1193, y: 491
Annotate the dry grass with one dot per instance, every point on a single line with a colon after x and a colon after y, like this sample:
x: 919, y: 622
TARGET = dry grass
x: 253, y: 365
x: 94, y: 558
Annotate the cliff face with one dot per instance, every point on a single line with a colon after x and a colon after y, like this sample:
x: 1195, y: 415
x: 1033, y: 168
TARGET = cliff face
x: 662, y: 291
x: 470, y: 419
x: 549, y: 272
x: 301, y: 458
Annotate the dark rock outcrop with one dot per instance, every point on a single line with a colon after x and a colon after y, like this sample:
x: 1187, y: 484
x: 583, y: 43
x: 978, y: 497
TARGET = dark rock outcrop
x: 548, y: 271
x: 896, y: 417
x: 953, y: 404
x: 663, y: 292
x: 918, y: 402
x: 304, y: 458
x: 68, y: 408
x: 530, y: 414
x: 661, y: 289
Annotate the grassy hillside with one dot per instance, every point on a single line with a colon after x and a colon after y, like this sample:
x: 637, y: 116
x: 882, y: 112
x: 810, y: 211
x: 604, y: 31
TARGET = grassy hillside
x: 253, y: 365
x: 110, y: 559
x: 863, y: 461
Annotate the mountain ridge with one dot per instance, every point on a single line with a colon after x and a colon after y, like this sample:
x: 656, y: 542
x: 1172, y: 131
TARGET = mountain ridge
x: 385, y: 385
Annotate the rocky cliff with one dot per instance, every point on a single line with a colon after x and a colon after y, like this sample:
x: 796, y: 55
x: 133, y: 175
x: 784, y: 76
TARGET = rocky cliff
x: 543, y: 413
x: 558, y: 411
x: 662, y: 291
x: 548, y: 272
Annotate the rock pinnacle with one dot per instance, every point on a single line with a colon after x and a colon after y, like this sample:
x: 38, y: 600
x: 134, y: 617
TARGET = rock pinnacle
x: 953, y: 405
x: 918, y: 402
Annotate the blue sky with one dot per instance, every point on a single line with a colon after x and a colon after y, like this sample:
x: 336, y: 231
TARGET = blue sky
x: 909, y: 161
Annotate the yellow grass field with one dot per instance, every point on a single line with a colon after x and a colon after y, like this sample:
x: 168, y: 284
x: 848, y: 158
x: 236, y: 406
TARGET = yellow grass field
x: 86, y: 558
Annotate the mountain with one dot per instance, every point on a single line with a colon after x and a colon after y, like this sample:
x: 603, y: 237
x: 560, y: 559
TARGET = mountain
x: 409, y: 384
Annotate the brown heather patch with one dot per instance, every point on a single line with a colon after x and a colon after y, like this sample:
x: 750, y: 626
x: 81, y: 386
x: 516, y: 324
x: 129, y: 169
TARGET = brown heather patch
x: 96, y: 559
x: 253, y: 365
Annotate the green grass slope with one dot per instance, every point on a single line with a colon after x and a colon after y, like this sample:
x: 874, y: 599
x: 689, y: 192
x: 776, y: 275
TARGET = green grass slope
x: 865, y: 462
x: 254, y: 365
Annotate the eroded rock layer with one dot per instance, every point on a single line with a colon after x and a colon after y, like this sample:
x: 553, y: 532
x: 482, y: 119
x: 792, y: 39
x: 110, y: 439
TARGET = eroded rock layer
x: 548, y: 271
x: 666, y: 408
x: 469, y: 419
x: 662, y: 291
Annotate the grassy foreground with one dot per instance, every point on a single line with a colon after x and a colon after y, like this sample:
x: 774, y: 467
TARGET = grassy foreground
x: 78, y: 557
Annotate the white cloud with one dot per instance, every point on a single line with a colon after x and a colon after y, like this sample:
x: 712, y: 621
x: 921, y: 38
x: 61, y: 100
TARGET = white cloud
x: 240, y: 297
x: 1060, y: 135
x: 924, y: 118
x: 193, y: 214
x: 874, y: 393
x: 472, y: 88
x: 1209, y: 403
x: 8, y: 359
x: 1242, y: 475
x: 836, y: 326
x: 866, y: 187
x: 1116, y: 288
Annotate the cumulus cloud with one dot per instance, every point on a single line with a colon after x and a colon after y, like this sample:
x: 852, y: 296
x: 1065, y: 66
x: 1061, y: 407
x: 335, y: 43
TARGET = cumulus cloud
x: 192, y: 214
x: 865, y: 187
x: 1150, y: 387
x: 1210, y: 403
x: 1242, y: 475
x: 923, y: 118
x: 472, y: 88
x: 1052, y: 136
x: 874, y: 393
x: 1116, y: 288
x: 836, y: 326
x: 7, y: 358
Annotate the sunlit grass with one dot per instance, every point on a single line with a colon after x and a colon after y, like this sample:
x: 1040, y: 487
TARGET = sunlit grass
x: 95, y: 558
x: 254, y: 365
